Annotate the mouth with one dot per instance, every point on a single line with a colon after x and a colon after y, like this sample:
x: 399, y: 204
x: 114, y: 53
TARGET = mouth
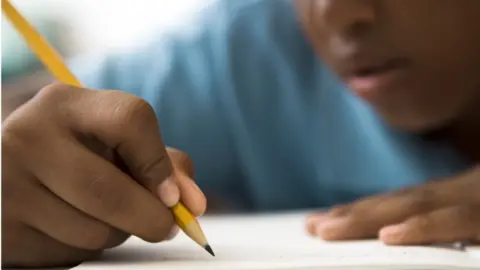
x: 371, y: 80
x: 375, y: 70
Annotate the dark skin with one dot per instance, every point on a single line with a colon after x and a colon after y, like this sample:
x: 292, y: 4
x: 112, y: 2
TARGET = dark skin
x: 82, y: 171
x: 93, y: 167
x: 436, y: 94
x: 439, y: 39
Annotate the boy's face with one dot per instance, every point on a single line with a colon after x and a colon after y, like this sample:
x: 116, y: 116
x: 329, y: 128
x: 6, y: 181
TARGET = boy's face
x: 417, y: 62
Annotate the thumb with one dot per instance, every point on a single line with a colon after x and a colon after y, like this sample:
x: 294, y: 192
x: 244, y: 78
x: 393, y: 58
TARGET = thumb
x: 190, y: 193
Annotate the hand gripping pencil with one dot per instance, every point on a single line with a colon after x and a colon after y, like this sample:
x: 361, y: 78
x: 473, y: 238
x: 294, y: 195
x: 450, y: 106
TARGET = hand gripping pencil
x: 52, y: 60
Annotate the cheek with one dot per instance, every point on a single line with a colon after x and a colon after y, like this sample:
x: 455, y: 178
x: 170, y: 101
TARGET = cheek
x: 451, y: 63
x: 445, y: 41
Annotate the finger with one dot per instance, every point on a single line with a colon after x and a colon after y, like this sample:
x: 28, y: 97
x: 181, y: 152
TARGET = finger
x: 181, y: 162
x: 29, y: 248
x: 96, y: 187
x: 458, y: 223
x: 173, y: 233
x: 315, y: 219
x: 363, y: 219
x: 191, y: 195
x: 312, y: 221
x: 129, y: 125
x: 64, y: 223
x: 344, y: 223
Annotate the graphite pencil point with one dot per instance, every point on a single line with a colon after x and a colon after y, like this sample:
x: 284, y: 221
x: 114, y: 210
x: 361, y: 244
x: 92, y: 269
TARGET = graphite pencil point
x: 209, y: 249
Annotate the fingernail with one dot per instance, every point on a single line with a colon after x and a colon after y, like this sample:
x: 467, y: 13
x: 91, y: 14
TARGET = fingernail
x: 317, y: 218
x: 173, y: 233
x: 313, y: 221
x: 393, y: 233
x: 331, y: 229
x: 168, y: 192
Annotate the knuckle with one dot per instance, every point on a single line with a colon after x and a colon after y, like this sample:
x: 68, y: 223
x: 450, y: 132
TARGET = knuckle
x: 181, y: 161
x: 13, y: 137
x: 55, y: 93
x: 22, y: 133
x: 132, y: 111
x: 340, y: 211
x: 21, y: 128
x: 54, y: 102
x: 421, y: 200
x: 17, y: 158
x: 112, y: 201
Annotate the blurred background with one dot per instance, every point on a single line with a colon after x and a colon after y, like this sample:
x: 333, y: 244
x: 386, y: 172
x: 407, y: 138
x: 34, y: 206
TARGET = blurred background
x: 77, y: 27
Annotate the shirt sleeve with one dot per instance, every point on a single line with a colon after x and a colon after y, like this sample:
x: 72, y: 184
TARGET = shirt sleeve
x: 178, y: 74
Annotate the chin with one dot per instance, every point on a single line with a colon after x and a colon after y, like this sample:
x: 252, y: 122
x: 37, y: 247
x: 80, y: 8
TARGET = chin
x: 419, y: 127
x: 415, y: 122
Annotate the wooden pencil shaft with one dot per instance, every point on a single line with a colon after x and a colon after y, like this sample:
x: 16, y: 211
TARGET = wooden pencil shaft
x: 49, y: 57
x: 194, y: 231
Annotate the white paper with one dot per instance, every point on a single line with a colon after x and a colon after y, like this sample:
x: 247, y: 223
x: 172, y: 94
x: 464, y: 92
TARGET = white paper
x: 275, y: 242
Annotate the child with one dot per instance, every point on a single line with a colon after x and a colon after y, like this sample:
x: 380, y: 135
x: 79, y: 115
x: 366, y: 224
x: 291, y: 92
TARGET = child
x: 267, y: 124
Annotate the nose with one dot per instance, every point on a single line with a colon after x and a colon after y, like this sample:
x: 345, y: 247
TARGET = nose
x: 346, y: 17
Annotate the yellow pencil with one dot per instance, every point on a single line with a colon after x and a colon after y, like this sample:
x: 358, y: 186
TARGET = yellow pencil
x: 54, y: 63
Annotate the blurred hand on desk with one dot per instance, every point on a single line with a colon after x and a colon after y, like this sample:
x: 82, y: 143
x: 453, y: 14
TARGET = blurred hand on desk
x: 82, y: 170
x: 442, y: 211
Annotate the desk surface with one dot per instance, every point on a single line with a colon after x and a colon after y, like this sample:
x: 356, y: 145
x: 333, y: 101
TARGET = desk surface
x: 275, y: 242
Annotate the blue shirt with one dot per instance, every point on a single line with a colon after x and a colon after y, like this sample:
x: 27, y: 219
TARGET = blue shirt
x: 267, y: 125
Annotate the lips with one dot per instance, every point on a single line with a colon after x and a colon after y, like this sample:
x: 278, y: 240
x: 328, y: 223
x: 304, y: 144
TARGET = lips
x: 373, y: 70
x: 372, y: 79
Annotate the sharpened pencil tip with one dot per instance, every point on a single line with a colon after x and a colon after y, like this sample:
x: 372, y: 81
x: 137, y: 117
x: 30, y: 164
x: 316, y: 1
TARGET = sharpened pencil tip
x: 209, y: 249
